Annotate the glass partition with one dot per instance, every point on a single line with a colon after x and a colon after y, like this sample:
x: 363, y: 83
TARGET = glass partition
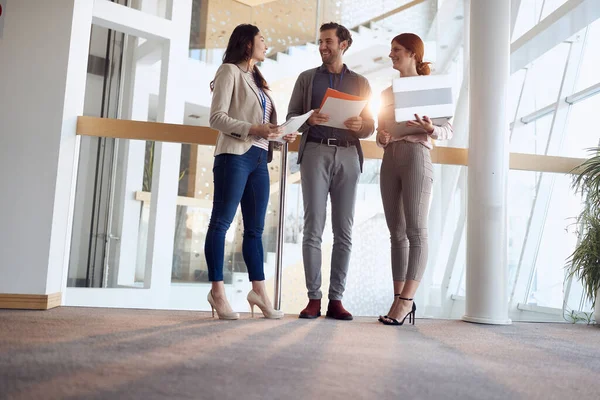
x: 194, y: 205
x: 544, y: 79
x: 579, y: 137
x: 90, y: 256
x: 556, y: 243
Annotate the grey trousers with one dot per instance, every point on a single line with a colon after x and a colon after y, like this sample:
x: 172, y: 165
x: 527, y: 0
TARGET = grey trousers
x: 406, y: 183
x: 328, y: 170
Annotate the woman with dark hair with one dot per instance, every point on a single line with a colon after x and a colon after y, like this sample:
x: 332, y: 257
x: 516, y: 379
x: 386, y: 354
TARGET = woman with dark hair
x: 406, y: 183
x: 243, y: 112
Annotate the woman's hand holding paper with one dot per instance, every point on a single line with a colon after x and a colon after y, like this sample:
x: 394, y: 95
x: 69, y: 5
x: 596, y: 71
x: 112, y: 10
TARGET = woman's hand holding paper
x: 266, y: 131
x: 290, y: 138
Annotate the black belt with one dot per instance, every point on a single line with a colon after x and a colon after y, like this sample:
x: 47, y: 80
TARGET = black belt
x: 332, y: 142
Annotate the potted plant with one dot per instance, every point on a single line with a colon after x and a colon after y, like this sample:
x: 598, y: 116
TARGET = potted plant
x: 584, y: 262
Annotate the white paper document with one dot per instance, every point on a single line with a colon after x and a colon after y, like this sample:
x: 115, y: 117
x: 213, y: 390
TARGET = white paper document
x: 340, y: 111
x: 292, y: 125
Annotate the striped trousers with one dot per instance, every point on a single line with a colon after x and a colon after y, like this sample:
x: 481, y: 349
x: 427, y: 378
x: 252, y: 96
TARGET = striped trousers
x: 406, y: 184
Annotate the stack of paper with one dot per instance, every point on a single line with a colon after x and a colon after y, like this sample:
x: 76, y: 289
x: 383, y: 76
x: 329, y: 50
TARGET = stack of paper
x: 340, y: 107
x: 292, y: 125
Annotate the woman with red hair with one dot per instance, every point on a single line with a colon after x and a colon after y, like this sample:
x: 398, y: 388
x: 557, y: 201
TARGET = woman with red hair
x: 406, y: 183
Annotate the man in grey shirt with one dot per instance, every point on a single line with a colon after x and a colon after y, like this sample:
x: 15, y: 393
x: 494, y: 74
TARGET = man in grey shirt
x: 330, y: 164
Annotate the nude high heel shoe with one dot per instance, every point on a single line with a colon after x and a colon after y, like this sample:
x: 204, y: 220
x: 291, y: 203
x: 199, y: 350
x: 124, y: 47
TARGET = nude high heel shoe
x: 267, y: 310
x: 221, y: 313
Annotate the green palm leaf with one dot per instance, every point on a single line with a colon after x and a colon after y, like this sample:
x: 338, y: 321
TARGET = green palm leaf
x: 584, y: 262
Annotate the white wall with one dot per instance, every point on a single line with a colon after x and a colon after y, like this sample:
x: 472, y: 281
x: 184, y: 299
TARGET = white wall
x: 44, y: 45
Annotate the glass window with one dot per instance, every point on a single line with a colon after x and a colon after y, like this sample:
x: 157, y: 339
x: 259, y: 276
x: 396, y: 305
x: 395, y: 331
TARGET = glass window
x: 521, y: 195
x: 157, y: 8
x: 544, y: 79
x: 447, y: 222
x: 550, y: 232
x: 531, y: 138
x: 515, y: 89
x: 580, y: 133
x: 550, y: 6
x: 589, y: 73
x: 528, y: 16
x: 284, y: 24
x: 368, y: 285
x: 93, y: 244
x: 554, y: 236
x: 369, y: 282
x: 557, y: 242
x: 193, y: 216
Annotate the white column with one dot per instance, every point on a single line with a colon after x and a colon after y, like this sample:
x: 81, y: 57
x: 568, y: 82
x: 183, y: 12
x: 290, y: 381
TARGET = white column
x: 165, y: 176
x: 487, y: 241
x: 132, y: 173
x: 43, y: 64
x: 139, y: 60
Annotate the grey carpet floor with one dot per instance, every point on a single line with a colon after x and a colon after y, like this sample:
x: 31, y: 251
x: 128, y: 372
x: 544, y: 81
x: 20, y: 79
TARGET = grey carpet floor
x: 138, y: 354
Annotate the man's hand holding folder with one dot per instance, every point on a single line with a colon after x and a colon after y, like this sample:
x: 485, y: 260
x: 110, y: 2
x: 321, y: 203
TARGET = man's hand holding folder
x: 339, y: 110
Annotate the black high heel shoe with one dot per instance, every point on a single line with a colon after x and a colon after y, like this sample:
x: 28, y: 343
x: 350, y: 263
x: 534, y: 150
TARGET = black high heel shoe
x: 381, y: 319
x: 410, y: 315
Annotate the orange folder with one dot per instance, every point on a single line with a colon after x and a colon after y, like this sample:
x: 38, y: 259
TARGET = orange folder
x: 339, y: 95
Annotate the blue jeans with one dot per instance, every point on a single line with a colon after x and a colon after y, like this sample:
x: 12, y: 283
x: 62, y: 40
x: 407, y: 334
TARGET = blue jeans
x: 238, y: 179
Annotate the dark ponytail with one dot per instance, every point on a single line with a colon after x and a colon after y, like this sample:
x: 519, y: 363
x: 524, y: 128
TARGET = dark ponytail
x: 240, y: 48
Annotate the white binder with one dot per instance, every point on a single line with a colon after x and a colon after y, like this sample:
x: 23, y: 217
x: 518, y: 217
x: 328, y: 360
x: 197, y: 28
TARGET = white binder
x: 429, y: 95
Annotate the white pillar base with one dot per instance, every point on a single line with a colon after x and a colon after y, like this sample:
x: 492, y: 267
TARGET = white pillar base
x: 488, y: 321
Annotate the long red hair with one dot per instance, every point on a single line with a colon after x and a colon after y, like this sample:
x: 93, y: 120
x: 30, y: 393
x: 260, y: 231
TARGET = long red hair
x: 415, y: 45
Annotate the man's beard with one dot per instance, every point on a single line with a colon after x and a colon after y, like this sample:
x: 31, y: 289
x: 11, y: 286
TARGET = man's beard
x: 328, y: 59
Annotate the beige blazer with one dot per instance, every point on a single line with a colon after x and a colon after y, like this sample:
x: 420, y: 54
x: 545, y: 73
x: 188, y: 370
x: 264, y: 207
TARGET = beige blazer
x: 235, y: 107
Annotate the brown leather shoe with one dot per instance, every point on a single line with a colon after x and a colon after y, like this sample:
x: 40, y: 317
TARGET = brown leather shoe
x: 312, y: 310
x: 336, y: 310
